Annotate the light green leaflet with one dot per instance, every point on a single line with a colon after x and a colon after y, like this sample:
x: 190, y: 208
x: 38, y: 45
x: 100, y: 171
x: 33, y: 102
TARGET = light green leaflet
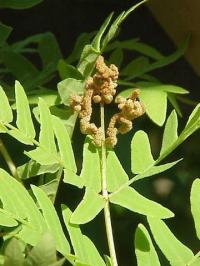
x: 64, y: 144
x: 90, y: 172
x: 170, y: 133
x: 144, y: 249
x: 141, y: 157
x: 195, y: 205
x: 176, y: 252
x: 5, y: 109
x: 22, y: 208
x: 88, y: 208
x: 7, y: 220
x: 69, y: 87
x: 129, y: 198
x: 52, y: 220
x: 116, y: 176
x: 46, y: 137
x: 85, y: 250
x: 24, y: 120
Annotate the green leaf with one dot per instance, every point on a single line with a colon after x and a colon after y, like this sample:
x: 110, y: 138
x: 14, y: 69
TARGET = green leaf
x: 140, y: 47
x: 43, y: 156
x: 68, y: 87
x: 46, y: 137
x: 19, y: 4
x: 115, y: 25
x: 4, y: 32
x: 88, y: 208
x: 68, y: 71
x: 22, y: 208
x: 195, y: 203
x: 116, y: 176
x: 64, y: 144
x: 154, y: 170
x: 144, y: 249
x: 14, y: 253
x: 170, y: 132
x: 44, y: 253
x: 192, y: 125
x: 24, y: 120
x: 20, y: 67
x: 87, y: 60
x: 96, y: 43
x: 90, y: 172
x: 7, y: 220
x: 85, y: 250
x: 52, y: 220
x: 175, y: 252
x: 172, y: 99
x: 116, y: 57
x: 49, y: 50
x: 20, y: 136
x: 32, y: 168
x: 73, y: 179
x: 135, y: 66
x: 166, y: 60
x: 6, y: 115
x: 155, y: 102
x: 141, y: 157
x: 129, y: 198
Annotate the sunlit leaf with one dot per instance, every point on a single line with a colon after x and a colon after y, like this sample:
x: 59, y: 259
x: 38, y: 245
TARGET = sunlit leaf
x: 64, y: 144
x: 14, y: 253
x: 170, y: 132
x: 141, y: 157
x: 175, y: 251
x: 144, y: 249
x: 68, y: 87
x: 6, y: 115
x: 130, y: 199
x: 46, y: 137
x: 85, y: 250
x: 52, y: 220
x: 116, y: 176
x: 24, y: 120
x: 88, y: 208
x: 195, y: 205
x: 90, y: 172
x: 68, y: 71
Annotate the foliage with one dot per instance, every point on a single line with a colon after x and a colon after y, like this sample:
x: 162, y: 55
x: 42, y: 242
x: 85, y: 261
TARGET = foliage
x: 30, y: 225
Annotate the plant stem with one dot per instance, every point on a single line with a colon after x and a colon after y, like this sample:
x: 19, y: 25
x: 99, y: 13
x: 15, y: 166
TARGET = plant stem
x: 9, y: 161
x: 107, y: 216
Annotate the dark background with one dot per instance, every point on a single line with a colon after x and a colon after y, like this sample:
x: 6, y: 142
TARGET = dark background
x: 67, y: 19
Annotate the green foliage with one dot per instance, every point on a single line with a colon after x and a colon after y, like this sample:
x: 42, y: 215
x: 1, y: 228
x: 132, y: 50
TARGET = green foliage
x: 30, y: 224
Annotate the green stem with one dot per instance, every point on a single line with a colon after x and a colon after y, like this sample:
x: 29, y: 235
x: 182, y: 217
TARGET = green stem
x: 107, y: 216
x: 9, y: 161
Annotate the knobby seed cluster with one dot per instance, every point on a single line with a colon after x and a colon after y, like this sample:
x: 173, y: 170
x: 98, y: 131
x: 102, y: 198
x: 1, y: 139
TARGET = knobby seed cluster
x: 101, y: 88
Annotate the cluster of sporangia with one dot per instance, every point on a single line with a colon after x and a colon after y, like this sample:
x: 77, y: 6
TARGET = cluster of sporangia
x: 101, y: 88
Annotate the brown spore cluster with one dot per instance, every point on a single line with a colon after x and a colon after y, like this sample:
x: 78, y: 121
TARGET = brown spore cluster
x: 101, y: 88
